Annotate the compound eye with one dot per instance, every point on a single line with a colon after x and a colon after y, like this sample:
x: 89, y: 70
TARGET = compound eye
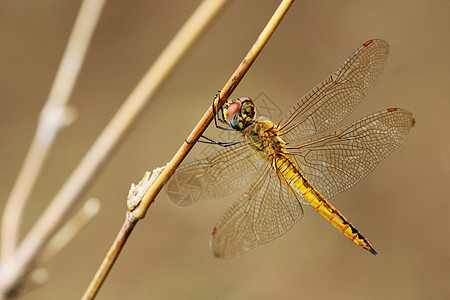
x: 248, y: 110
x: 233, y: 109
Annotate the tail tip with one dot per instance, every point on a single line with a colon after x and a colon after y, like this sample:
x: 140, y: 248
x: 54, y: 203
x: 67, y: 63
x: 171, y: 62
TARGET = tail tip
x: 371, y: 250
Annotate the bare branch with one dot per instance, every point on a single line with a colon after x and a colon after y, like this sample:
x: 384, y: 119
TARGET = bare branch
x: 89, y: 210
x: 54, y: 116
x: 20, y: 262
x: 140, y: 201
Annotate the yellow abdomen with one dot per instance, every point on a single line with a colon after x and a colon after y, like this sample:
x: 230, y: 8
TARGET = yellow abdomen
x: 292, y: 177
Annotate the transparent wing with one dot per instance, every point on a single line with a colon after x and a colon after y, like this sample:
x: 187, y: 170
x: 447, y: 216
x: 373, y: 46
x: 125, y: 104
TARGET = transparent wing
x: 266, y: 211
x: 220, y: 174
x: 338, y: 95
x: 336, y: 162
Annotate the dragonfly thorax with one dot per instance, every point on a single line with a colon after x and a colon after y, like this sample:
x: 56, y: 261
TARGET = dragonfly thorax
x: 239, y: 113
x: 263, y: 136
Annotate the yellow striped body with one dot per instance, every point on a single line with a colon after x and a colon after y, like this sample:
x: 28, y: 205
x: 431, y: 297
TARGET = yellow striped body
x: 268, y: 145
x: 293, y: 178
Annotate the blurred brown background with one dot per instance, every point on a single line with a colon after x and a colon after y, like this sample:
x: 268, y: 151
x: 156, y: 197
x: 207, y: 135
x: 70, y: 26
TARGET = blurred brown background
x: 402, y: 207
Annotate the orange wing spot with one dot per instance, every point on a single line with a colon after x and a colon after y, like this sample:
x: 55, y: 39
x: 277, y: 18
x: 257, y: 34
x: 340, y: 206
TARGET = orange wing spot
x: 413, y: 122
x: 368, y: 43
x: 214, y: 231
x: 392, y: 109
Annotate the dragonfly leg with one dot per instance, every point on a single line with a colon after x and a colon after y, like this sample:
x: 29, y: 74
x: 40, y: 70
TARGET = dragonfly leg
x: 210, y: 141
x: 218, y: 114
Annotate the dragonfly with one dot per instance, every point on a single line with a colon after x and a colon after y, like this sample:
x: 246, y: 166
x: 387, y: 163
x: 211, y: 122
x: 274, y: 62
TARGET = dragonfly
x: 293, y: 163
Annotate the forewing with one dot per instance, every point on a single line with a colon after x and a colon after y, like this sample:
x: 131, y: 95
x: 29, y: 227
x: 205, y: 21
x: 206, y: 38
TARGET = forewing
x: 336, y: 162
x: 266, y: 211
x: 220, y: 174
x: 337, y: 96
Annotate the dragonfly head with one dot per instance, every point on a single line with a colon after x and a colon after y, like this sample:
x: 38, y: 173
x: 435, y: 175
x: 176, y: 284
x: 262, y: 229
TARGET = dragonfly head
x: 239, y: 113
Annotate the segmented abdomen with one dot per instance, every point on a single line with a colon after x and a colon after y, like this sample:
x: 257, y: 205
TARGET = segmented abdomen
x: 296, y: 182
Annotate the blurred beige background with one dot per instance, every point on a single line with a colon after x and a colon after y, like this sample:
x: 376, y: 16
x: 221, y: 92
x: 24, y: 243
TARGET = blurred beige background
x: 402, y: 207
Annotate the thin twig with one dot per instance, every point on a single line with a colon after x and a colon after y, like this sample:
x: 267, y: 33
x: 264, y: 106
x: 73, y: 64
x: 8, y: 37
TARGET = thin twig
x: 138, y: 211
x: 135, y: 193
x: 52, y: 218
x: 54, y: 116
x: 70, y: 229
x: 39, y: 274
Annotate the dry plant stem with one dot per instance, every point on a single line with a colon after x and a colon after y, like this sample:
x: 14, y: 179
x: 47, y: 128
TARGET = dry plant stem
x: 54, y: 116
x: 71, y: 228
x: 52, y: 218
x: 135, y: 193
x: 110, y: 258
x: 139, y: 211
